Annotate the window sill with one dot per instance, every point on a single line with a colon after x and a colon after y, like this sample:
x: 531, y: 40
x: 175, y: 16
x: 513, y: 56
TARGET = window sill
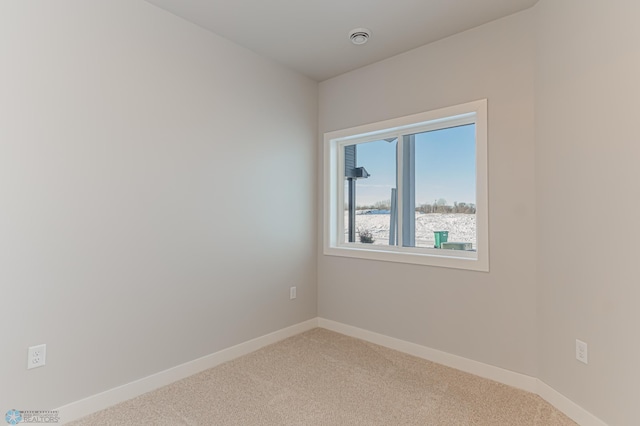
x: 467, y: 260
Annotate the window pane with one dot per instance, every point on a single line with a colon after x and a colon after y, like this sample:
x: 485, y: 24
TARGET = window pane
x: 425, y: 181
x: 445, y: 187
x: 372, y: 168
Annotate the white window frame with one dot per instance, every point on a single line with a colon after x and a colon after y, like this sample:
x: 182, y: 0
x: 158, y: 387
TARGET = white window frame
x: 334, y: 142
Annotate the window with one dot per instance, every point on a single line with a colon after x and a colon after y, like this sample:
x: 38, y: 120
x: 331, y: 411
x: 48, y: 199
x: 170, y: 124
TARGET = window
x: 411, y: 189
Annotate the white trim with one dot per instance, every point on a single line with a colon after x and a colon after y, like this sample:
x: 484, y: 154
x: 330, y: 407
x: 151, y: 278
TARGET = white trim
x: 482, y: 185
x: 89, y: 405
x: 511, y: 378
x: 381, y: 128
x: 86, y: 406
x: 507, y: 377
x: 444, y: 258
x: 568, y: 407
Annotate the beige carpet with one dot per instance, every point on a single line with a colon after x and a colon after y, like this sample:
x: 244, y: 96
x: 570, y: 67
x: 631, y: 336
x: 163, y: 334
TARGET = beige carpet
x: 325, y: 378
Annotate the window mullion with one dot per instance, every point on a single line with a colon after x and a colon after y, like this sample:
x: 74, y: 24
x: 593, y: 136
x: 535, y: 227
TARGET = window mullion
x: 340, y: 178
x: 408, y: 190
x: 400, y: 189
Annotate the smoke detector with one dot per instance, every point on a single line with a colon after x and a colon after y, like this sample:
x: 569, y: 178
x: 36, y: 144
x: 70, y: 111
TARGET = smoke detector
x: 359, y: 36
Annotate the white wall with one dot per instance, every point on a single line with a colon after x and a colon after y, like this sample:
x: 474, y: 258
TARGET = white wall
x: 587, y: 178
x: 488, y: 317
x: 157, y: 191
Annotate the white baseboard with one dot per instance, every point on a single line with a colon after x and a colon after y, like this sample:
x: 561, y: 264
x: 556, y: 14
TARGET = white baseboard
x: 511, y: 378
x: 568, y: 407
x: 517, y: 380
x: 103, y: 400
x: 106, y: 399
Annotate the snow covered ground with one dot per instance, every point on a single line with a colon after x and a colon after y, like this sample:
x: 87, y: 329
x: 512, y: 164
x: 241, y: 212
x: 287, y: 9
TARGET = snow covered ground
x: 461, y: 227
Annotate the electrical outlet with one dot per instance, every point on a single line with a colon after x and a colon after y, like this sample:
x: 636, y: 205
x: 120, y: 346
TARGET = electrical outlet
x: 37, y: 356
x: 292, y: 293
x: 581, y: 351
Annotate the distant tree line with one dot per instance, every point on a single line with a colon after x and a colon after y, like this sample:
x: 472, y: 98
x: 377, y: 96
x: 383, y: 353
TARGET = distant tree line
x: 438, y: 206
x: 378, y: 205
x: 444, y: 208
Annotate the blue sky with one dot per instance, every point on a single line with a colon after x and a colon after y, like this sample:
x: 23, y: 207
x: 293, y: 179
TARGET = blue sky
x: 445, y: 167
